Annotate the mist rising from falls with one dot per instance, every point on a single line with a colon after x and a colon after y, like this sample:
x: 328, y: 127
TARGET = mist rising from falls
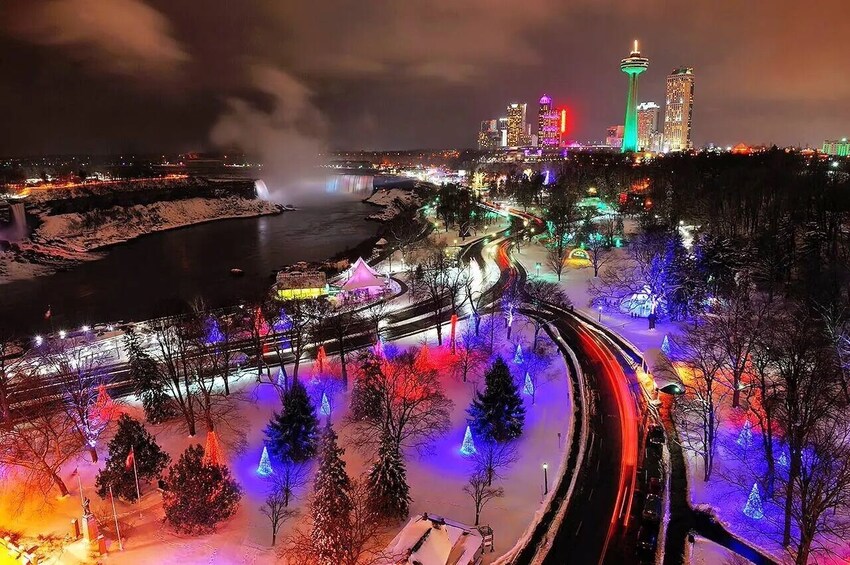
x: 261, y: 189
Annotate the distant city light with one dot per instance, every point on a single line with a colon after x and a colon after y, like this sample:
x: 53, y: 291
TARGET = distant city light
x: 85, y: 328
x: 39, y: 340
x: 62, y: 334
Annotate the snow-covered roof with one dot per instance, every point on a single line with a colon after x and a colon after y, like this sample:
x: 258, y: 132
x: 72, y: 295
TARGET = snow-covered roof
x: 431, y: 540
x: 665, y: 375
x: 362, y: 276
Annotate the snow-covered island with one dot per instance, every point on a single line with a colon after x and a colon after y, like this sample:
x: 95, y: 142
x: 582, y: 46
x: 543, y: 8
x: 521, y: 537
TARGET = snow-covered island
x: 393, y: 202
x: 74, y: 225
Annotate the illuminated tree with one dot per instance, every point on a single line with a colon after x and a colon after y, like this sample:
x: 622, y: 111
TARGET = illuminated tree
x: 386, y: 483
x: 497, y: 413
x: 150, y: 460
x: 293, y: 432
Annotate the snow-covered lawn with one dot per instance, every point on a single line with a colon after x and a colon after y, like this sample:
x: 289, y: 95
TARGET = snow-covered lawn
x: 436, y: 480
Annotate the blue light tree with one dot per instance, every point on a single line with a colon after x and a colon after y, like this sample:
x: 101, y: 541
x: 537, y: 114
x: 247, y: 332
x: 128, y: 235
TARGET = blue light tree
x: 281, y: 377
x: 783, y: 459
x: 264, y: 469
x: 468, y: 447
x: 665, y: 345
x: 753, y: 508
x: 213, y: 331
x: 745, y: 438
x: 518, y: 355
x: 326, y: 405
x: 528, y: 388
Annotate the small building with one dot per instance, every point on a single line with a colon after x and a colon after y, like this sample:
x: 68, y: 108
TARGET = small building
x: 291, y: 285
x: 363, y: 279
x: 428, y: 539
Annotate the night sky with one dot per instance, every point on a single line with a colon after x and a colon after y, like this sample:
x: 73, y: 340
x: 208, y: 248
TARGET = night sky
x: 112, y: 76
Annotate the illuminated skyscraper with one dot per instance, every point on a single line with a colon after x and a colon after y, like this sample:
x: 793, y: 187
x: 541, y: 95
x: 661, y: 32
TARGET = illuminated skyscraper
x: 678, y: 109
x: 838, y: 147
x: 647, y: 117
x: 633, y: 65
x: 489, y: 136
x: 516, y: 124
x: 548, y: 124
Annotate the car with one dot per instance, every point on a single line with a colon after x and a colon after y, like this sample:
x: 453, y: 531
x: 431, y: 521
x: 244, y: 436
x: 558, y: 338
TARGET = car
x: 654, y: 485
x: 652, y: 508
x: 656, y: 434
x: 647, y: 540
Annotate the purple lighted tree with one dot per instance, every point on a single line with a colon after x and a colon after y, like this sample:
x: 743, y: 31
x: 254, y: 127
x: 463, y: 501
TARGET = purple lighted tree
x: 745, y: 438
x: 518, y: 355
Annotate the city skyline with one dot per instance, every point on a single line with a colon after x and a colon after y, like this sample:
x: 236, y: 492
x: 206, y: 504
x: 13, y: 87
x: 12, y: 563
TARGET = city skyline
x: 182, y: 71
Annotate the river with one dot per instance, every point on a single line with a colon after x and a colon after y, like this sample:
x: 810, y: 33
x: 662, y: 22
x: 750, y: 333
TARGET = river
x: 162, y: 273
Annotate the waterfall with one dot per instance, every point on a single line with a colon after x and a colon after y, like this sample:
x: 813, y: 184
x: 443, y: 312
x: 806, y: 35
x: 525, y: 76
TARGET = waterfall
x: 261, y: 189
x: 17, y: 229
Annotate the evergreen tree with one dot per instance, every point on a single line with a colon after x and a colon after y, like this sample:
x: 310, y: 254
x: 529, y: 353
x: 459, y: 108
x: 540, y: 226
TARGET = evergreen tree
x: 292, y: 432
x: 197, y: 496
x: 386, y: 483
x: 366, y: 397
x: 332, y: 504
x: 158, y: 405
x: 150, y: 460
x: 497, y: 413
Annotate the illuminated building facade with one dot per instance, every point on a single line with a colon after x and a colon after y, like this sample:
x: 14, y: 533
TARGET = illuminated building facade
x: 489, y: 136
x: 503, y: 132
x: 839, y: 147
x: 517, y: 131
x: 647, y: 117
x: 548, y: 124
x: 614, y: 136
x: 679, y: 109
x: 633, y: 65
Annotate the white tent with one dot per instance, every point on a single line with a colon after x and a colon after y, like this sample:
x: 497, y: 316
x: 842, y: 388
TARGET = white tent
x: 362, y: 276
x: 432, y: 540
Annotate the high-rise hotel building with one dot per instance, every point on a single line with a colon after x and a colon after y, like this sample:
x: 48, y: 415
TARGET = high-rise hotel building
x: 516, y: 125
x: 648, y: 134
x: 679, y: 109
x: 548, y: 124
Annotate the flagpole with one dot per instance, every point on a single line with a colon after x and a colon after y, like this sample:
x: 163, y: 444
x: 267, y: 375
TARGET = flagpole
x: 136, y: 474
x: 115, y: 515
x: 80, y: 482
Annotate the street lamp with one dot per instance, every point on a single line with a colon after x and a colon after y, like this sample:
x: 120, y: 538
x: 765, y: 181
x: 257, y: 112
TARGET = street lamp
x: 537, y: 266
x: 62, y: 334
x: 39, y: 340
x: 600, y: 313
x: 545, y: 479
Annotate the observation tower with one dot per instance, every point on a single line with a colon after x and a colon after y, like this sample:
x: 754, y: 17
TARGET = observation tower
x: 633, y: 65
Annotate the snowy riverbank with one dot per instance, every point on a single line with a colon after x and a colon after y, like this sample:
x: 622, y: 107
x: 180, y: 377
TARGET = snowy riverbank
x: 62, y: 240
x: 393, y: 201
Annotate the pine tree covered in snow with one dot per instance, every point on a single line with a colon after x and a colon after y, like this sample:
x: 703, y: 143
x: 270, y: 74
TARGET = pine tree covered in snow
x: 150, y: 460
x: 332, y: 504
x: 497, y: 413
x: 389, y: 495
x: 197, y: 497
x: 147, y: 381
x: 292, y: 433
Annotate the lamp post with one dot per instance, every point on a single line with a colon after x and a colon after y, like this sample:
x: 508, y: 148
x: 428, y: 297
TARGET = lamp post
x: 545, y: 479
x: 537, y: 266
x: 600, y: 313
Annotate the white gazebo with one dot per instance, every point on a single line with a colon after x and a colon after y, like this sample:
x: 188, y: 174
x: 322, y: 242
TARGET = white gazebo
x: 363, y: 279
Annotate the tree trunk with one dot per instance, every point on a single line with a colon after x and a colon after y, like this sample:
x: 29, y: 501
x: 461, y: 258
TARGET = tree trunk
x: 439, y: 329
x: 793, y: 472
x: 57, y: 480
x: 343, y: 370
x: 477, y: 516
x: 736, y: 390
x: 803, y: 549
x: 93, y: 454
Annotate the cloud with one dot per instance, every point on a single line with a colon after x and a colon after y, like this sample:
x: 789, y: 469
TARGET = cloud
x: 124, y: 37
x: 287, y: 137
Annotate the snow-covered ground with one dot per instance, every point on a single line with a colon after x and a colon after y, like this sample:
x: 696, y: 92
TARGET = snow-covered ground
x: 73, y: 237
x: 436, y: 480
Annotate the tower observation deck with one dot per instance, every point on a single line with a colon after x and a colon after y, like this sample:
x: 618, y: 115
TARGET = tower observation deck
x: 633, y: 65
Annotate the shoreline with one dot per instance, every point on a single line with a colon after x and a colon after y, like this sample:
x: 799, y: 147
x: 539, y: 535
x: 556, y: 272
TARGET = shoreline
x: 48, y: 259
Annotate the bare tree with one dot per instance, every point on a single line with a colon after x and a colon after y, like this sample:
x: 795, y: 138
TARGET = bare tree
x: 41, y: 439
x: 763, y: 402
x: 468, y: 358
x: 598, y: 249
x: 541, y: 294
x: 409, y: 404
x: 340, y: 324
x: 300, y: 320
x: 276, y: 511
x: 475, y: 290
x: 434, y: 288
x: 77, y: 365
x: 555, y: 258
x: 289, y: 478
x: 492, y: 457
x: 172, y: 351
x: 698, y: 409
x: 808, y: 383
x: 822, y: 490
x: 479, y: 490
x: 13, y: 360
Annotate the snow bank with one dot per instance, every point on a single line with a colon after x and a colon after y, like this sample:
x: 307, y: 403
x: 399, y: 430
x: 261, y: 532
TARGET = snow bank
x: 393, y: 201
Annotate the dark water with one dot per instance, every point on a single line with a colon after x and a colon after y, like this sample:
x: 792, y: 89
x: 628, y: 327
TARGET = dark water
x: 160, y: 273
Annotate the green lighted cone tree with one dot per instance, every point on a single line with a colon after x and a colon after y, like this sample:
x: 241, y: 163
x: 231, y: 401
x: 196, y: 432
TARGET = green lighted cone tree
x: 388, y: 493
x: 332, y: 505
x: 149, y: 458
x: 497, y: 413
x: 197, y: 496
